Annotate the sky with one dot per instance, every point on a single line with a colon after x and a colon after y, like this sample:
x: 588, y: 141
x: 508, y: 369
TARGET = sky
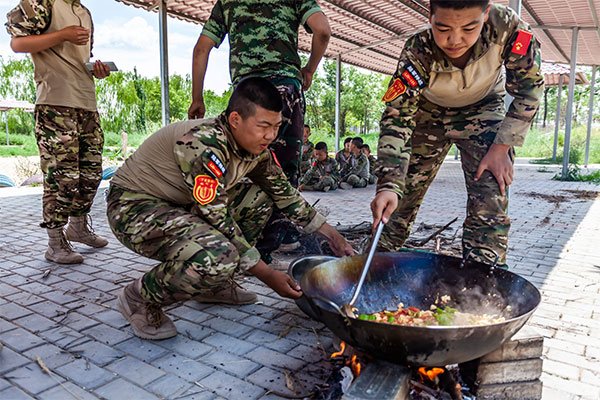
x: 129, y: 37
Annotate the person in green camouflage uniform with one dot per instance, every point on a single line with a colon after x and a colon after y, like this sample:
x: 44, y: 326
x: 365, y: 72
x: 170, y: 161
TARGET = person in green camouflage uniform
x: 307, y: 151
x: 343, y: 156
x: 356, y: 172
x: 324, y: 174
x: 366, y: 149
x: 196, y: 196
x: 449, y: 88
x: 263, y: 41
x: 59, y: 36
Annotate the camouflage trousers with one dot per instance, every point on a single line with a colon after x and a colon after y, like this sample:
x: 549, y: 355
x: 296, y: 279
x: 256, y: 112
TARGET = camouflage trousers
x: 356, y: 181
x: 487, y: 223
x: 319, y: 185
x: 195, y: 257
x: 70, y: 142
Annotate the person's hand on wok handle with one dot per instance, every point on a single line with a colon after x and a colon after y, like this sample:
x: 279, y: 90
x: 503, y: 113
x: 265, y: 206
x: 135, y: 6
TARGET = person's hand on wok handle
x: 382, y: 207
x: 282, y: 283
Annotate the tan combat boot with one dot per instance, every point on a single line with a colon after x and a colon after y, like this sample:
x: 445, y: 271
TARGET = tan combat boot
x: 147, y: 319
x: 59, y: 249
x: 80, y: 230
x: 233, y: 294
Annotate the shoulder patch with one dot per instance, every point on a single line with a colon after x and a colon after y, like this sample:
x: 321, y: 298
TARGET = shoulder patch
x: 522, y: 43
x: 205, y: 189
x: 275, y: 158
x: 215, y: 165
x: 396, y: 89
x: 412, y: 76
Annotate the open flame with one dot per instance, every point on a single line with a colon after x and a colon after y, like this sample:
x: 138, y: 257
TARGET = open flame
x: 355, y: 367
x: 430, y: 373
x: 339, y: 353
x: 351, y: 362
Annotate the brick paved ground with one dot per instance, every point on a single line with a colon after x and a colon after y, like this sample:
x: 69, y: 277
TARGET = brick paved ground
x: 69, y: 317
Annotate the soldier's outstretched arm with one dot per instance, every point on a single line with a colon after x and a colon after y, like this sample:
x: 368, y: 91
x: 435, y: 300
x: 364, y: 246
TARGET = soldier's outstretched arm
x: 199, y: 64
x: 321, y: 31
x: 279, y: 281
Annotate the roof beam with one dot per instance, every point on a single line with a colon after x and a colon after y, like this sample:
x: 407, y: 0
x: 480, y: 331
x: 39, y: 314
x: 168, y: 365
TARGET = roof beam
x: 537, y: 20
x: 360, y: 17
x: 557, y: 27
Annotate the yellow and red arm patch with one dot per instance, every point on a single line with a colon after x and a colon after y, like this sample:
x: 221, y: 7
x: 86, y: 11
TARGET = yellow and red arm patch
x: 205, y: 189
x: 396, y: 89
x: 409, y: 78
x: 522, y: 43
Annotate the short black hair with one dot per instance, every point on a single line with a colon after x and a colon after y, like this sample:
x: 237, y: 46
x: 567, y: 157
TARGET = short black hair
x: 322, y: 146
x: 366, y: 146
x: 252, y: 92
x: 357, y: 141
x: 307, y: 126
x: 347, y: 140
x: 457, y: 4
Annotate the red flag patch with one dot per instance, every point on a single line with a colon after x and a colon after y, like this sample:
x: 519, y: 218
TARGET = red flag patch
x: 394, y: 91
x: 522, y: 43
x: 275, y: 158
x: 213, y: 167
x: 409, y: 78
x: 205, y: 189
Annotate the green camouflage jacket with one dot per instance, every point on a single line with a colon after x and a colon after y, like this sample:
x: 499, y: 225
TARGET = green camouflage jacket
x: 357, y: 165
x: 263, y: 35
x: 307, y: 150
x: 329, y: 167
x: 209, y: 155
x: 505, y: 42
x: 372, y: 161
x: 32, y: 17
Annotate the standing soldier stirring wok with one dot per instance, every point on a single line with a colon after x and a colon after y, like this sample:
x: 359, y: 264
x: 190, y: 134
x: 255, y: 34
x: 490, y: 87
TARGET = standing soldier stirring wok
x: 449, y: 88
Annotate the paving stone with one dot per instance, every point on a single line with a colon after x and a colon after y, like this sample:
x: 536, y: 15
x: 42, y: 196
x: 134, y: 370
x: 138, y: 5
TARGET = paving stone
x: 6, y: 326
x: 142, y: 349
x: 7, y: 290
x: 199, y: 395
x: 78, y: 321
x: 14, y: 393
x: 85, y: 374
x: 97, y: 352
x: 24, y: 298
x: 12, y: 311
x: 60, y: 393
x: 35, y: 323
x: 136, y: 371
x: 62, y: 336
x: 185, y: 346
x: 10, y: 360
x: 183, y: 367
x: 272, y: 358
x: 107, y: 335
x: 32, y: 379
x: 226, y: 312
x: 273, y: 342
x: 229, y: 327
x: 51, y: 355
x: 231, y: 387
x: 192, y: 330
x: 230, y: 363
x: 4, y: 384
x: 230, y: 344
x: 171, y: 387
x: 275, y: 380
x: 190, y: 314
x: 121, y: 389
x: 20, y: 340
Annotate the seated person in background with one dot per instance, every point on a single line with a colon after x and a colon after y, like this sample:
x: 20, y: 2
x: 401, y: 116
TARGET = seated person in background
x: 367, y: 152
x: 324, y: 173
x: 307, y: 151
x: 343, y: 156
x: 356, y: 172
x: 182, y: 199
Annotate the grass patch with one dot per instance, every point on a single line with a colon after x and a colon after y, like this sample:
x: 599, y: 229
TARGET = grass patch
x: 574, y: 174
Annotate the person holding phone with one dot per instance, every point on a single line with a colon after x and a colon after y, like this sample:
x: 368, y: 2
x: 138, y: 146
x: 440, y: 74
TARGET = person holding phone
x: 58, y: 34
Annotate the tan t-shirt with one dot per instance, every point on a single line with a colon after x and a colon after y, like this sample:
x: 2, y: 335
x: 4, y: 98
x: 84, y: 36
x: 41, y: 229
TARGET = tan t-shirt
x: 60, y: 74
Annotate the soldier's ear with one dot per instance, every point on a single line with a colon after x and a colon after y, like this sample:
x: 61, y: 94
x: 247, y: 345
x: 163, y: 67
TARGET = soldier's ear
x: 487, y: 13
x: 235, y: 120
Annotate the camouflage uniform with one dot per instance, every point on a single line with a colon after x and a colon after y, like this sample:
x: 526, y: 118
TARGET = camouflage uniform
x: 342, y: 159
x: 321, y: 175
x: 432, y: 104
x: 67, y: 128
x: 307, y: 153
x: 183, y: 199
x: 356, y: 172
x: 372, y: 177
x: 263, y: 38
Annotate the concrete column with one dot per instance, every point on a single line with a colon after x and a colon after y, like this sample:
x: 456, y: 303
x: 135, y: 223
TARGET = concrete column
x: 557, y: 123
x: 164, y: 62
x: 569, y: 123
x: 590, y: 116
x: 338, y: 70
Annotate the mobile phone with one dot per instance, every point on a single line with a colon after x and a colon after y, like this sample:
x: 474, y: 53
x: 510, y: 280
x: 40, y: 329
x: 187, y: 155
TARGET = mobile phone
x: 111, y: 66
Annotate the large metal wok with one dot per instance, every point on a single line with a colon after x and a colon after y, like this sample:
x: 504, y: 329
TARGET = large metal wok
x: 416, y: 279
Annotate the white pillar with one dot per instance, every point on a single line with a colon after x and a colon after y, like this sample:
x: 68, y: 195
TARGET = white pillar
x: 590, y: 116
x: 557, y: 123
x: 164, y: 62
x: 338, y: 70
x: 569, y: 123
x: 6, y: 123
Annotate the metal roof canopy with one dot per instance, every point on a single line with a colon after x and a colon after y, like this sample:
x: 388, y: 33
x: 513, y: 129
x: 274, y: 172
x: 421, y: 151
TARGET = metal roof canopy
x: 371, y: 34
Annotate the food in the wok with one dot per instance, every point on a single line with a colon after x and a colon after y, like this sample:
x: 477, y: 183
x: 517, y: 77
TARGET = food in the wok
x: 434, y: 316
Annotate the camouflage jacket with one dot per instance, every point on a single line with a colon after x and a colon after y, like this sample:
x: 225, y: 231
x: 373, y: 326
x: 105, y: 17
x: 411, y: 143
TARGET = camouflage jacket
x: 372, y: 161
x: 425, y: 74
x: 263, y: 35
x: 307, y: 150
x: 319, y: 169
x: 357, y: 165
x: 195, y: 163
x: 342, y: 160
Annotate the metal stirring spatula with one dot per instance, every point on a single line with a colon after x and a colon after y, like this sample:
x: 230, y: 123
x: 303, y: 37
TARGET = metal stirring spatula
x: 347, y: 307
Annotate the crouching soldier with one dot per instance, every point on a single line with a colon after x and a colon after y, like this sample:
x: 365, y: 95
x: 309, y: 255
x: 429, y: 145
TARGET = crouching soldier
x: 356, y: 173
x: 366, y: 149
x: 324, y: 173
x: 182, y: 199
x: 307, y: 151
